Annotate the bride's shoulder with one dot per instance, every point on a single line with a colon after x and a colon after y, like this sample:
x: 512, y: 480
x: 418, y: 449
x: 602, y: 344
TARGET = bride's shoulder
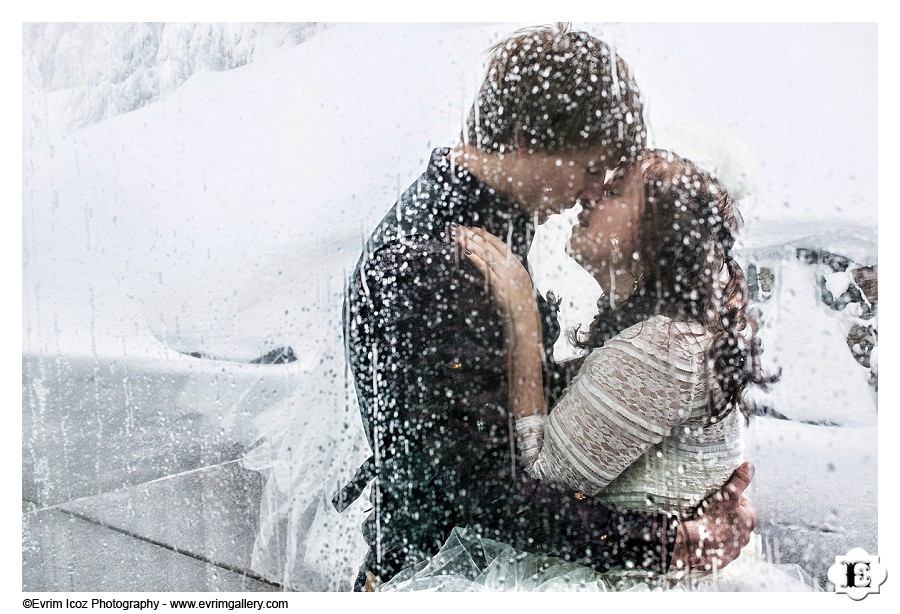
x: 664, y: 326
x: 663, y: 333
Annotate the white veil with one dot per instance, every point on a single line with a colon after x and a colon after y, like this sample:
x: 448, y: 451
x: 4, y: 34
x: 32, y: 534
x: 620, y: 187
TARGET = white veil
x: 298, y: 422
x: 310, y: 443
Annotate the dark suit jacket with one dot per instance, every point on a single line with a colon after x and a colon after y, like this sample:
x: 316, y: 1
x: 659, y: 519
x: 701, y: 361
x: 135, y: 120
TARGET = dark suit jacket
x: 428, y: 355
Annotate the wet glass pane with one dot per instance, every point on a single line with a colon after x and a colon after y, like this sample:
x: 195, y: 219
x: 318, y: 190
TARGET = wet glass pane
x: 196, y: 202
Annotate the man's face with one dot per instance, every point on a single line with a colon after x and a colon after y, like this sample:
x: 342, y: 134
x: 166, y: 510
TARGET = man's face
x: 547, y: 183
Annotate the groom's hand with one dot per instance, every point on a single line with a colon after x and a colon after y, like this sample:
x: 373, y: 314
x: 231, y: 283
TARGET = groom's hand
x: 722, y: 526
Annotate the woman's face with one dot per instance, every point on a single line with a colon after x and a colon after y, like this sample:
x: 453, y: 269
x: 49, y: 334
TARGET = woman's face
x: 607, y: 230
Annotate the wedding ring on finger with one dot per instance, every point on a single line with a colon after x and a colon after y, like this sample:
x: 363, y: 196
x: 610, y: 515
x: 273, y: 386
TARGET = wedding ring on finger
x: 491, y: 263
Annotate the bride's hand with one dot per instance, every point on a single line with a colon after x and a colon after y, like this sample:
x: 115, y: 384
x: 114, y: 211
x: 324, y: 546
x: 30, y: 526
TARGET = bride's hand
x: 506, y: 277
x: 722, y: 527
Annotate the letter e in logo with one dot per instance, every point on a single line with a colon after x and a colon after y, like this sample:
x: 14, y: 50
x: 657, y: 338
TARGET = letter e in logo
x: 858, y: 574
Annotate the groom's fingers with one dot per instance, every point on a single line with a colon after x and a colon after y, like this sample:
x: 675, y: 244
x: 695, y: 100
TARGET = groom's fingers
x: 748, y: 514
x: 740, y: 480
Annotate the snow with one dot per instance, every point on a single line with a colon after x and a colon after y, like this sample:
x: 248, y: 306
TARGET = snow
x: 213, y: 195
x: 820, y: 380
x: 203, y: 207
x: 837, y: 283
x: 238, y: 193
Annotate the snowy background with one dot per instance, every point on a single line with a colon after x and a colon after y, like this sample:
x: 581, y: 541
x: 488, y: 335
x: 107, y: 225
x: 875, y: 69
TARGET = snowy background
x: 205, y: 188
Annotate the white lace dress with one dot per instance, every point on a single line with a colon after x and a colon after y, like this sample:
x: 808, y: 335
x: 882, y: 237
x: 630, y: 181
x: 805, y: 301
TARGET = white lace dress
x: 632, y: 430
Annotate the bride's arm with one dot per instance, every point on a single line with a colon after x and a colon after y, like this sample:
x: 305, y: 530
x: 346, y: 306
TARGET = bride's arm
x: 514, y: 293
x: 631, y: 393
x: 526, y: 392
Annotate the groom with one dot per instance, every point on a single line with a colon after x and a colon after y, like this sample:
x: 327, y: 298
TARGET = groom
x: 556, y: 111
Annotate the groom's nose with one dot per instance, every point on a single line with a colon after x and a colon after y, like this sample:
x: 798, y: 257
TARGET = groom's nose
x: 586, y: 208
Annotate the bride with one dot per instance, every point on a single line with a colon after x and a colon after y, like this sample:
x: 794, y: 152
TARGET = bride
x: 654, y: 419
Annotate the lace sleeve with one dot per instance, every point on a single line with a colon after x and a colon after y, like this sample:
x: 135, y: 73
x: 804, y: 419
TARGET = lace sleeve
x: 629, y: 394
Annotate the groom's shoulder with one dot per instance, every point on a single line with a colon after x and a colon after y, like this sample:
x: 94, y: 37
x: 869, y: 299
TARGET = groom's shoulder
x: 420, y: 269
x: 416, y: 228
x: 422, y: 257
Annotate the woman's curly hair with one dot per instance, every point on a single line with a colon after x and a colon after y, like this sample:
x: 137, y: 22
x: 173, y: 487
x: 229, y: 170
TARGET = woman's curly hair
x: 684, y: 241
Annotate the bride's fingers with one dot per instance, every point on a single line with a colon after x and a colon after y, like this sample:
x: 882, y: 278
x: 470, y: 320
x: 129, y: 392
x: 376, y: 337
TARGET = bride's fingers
x: 494, y: 241
x: 469, y: 247
x: 463, y: 239
x: 494, y: 262
x: 475, y: 243
x: 490, y: 238
x: 478, y: 260
x: 475, y: 253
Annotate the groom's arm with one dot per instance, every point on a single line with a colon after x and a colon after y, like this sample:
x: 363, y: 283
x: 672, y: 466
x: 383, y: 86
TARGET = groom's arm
x: 546, y: 519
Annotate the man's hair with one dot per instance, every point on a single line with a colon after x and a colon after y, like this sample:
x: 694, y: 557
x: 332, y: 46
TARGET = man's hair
x: 552, y: 89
